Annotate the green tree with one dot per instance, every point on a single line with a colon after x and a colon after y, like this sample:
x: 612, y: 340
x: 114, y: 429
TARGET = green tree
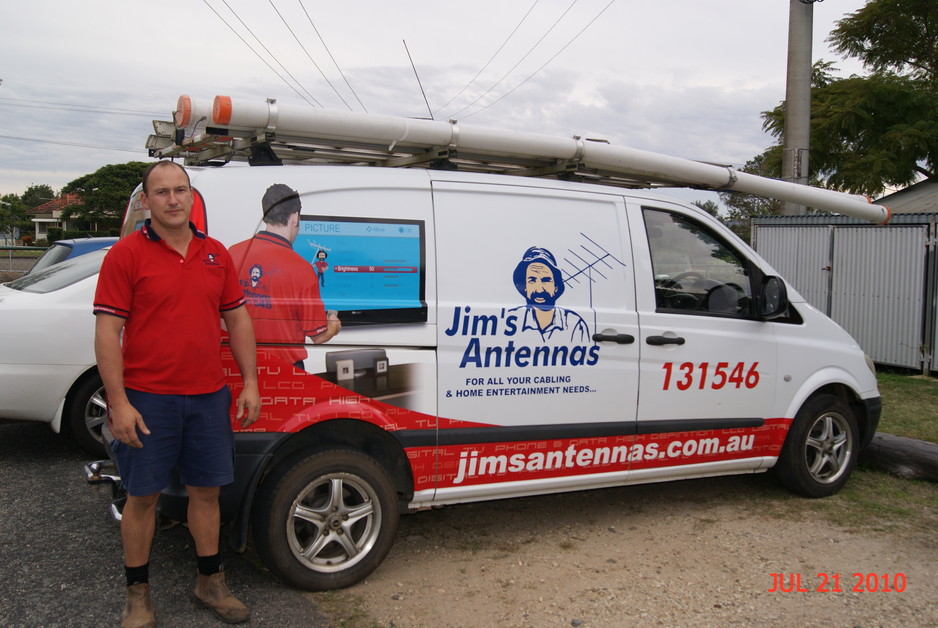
x: 892, y: 36
x: 708, y: 206
x: 104, y: 194
x: 878, y: 130
x: 36, y: 195
x: 13, y: 219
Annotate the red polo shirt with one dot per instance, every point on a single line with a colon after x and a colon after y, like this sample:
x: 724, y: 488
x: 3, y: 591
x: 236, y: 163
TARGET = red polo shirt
x: 282, y: 296
x: 172, y: 306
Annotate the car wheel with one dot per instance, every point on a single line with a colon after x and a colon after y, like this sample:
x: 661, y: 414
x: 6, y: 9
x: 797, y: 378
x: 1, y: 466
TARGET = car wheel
x: 86, y: 413
x: 821, y: 449
x: 325, y: 521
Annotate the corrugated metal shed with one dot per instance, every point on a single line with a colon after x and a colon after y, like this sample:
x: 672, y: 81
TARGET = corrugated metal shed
x: 877, y: 282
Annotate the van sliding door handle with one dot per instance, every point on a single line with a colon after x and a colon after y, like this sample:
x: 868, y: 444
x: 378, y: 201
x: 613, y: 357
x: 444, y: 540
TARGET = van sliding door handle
x: 622, y: 339
x: 664, y: 340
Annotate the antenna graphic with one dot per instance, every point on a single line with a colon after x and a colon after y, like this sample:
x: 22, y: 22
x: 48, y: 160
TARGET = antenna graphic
x: 589, y: 262
x: 590, y: 258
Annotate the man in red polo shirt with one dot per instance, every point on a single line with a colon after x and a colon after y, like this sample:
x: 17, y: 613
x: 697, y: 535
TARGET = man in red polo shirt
x: 280, y: 287
x: 165, y: 289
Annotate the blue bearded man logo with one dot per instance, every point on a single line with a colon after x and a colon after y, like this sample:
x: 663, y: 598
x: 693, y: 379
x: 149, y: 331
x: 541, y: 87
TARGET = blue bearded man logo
x: 540, y: 282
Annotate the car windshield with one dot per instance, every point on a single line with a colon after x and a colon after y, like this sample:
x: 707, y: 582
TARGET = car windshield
x: 60, y: 275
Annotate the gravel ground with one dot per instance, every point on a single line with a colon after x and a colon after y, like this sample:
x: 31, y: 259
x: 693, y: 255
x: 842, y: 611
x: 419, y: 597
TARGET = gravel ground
x: 60, y: 552
x: 694, y: 553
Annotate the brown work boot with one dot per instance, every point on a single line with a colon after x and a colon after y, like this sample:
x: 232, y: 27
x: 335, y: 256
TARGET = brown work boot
x: 138, y: 611
x: 213, y: 592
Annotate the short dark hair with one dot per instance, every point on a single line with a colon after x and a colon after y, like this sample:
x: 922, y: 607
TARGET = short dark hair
x: 279, y: 203
x: 161, y: 164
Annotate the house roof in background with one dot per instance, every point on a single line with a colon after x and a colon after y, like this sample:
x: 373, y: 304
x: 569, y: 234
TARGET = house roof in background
x: 921, y: 197
x: 57, y: 204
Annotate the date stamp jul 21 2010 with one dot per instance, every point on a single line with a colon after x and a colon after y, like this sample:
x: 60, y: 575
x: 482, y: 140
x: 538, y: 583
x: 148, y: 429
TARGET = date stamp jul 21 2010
x: 838, y: 583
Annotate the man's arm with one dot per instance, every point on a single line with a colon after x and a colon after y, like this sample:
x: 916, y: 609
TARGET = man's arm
x: 244, y: 350
x: 333, y: 326
x: 125, y: 420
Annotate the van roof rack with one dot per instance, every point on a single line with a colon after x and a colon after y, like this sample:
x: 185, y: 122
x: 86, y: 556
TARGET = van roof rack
x: 267, y: 133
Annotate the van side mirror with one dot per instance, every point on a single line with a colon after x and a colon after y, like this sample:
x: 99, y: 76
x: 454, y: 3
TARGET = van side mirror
x: 773, y: 298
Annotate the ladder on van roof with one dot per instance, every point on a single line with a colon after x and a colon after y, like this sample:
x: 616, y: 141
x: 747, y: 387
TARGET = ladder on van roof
x: 271, y: 134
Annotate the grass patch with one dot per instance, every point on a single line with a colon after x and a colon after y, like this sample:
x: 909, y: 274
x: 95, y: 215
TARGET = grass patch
x: 873, y: 500
x: 22, y: 254
x: 910, y: 406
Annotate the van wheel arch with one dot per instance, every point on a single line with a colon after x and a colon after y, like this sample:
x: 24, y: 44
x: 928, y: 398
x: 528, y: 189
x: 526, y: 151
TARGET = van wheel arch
x: 355, y: 435
x: 821, y: 448
x: 325, y: 519
x: 852, y: 399
x: 349, y: 434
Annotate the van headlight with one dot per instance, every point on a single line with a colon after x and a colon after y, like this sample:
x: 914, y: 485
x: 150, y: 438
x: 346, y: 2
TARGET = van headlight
x: 869, y: 363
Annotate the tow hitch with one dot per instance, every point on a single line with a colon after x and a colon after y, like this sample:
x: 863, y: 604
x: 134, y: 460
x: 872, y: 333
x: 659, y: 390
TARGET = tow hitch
x: 105, y: 472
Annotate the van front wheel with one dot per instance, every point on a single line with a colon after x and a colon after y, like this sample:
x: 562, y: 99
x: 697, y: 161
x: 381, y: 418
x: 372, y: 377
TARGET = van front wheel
x: 325, y: 521
x: 820, y: 450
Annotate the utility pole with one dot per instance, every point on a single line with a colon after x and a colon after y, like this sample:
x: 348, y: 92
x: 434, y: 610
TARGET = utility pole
x: 798, y: 99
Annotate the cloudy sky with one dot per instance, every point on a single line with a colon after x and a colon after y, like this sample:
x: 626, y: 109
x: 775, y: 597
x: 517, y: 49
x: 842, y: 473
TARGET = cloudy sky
x: 82, y: 80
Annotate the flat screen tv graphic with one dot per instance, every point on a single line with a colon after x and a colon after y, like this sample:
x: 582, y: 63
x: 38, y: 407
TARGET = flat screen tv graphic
x: 371, y: 270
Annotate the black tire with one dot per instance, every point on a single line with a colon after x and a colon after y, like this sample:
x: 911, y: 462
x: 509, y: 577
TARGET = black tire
x: 821, y: 448
x: 86, y: 414
x: 325, y: 521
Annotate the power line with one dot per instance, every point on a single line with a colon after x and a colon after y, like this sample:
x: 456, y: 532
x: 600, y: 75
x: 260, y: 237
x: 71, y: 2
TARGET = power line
x: 430, y: 111
x: 536, y: 44
x: 334, y: 62
x: 575, y: 37
x: 272, y: 55
x: 492, y: 58
x: 309, y: 56
x: 31, y: 139
x: 16, y: 102
x: 238, y: 35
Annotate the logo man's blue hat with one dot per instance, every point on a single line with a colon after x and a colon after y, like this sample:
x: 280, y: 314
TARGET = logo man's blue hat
x: 536, y: 254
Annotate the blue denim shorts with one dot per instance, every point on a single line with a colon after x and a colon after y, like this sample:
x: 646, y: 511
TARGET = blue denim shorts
x: 189, y: 434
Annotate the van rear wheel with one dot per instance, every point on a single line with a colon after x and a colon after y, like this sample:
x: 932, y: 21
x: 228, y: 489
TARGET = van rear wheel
x: 820, y: 450
x: 325, y: 521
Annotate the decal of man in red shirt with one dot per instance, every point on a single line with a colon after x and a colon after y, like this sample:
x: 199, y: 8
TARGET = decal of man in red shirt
x: 280, y: 287
x: 321, y: 266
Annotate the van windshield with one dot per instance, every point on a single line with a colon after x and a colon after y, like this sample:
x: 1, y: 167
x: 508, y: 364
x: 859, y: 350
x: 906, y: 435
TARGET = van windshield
x: 60, y: 275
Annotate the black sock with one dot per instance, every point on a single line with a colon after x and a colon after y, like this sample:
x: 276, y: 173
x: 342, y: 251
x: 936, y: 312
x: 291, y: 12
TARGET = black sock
x: 137, y: 575
x: 209, y: 565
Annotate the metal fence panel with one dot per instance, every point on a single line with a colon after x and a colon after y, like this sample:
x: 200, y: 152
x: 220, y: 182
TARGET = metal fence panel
x: 802, y: 256
x: 877, y: 290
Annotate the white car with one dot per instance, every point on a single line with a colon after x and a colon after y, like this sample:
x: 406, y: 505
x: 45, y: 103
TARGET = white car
x: 47, y: 364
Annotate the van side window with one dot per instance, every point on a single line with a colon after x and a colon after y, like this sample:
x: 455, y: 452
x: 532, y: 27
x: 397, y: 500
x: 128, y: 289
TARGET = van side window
x: 695, y: 270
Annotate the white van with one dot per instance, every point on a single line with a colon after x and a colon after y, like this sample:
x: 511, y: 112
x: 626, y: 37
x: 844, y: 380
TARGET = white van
x: 506, y: 336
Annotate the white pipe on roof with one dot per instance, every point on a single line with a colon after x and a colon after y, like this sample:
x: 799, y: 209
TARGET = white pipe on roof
x: 339, y: 126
